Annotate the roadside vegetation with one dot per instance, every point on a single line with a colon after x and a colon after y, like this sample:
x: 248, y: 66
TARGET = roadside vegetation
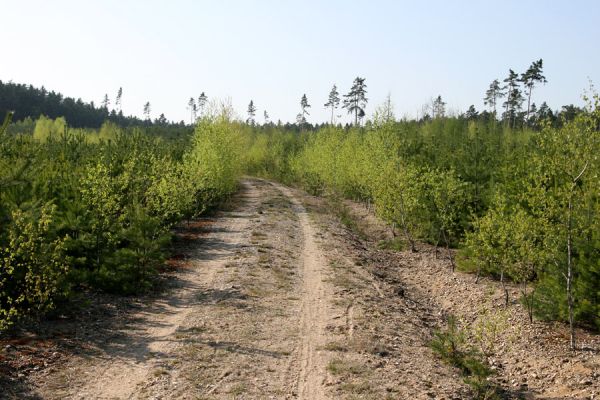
x: 520, y: 204
x: 83, y: 208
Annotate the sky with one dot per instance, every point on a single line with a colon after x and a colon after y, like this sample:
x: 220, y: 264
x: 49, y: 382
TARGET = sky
x: 274, y: 51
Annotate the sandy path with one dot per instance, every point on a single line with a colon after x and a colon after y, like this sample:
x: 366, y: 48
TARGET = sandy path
x: 313, y: 315
x: 246, y: 318
x: 149, y: 341
x: 272, y: 301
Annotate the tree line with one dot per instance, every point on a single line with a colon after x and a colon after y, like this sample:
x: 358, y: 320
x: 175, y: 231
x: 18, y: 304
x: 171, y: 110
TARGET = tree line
x: 29, y: 102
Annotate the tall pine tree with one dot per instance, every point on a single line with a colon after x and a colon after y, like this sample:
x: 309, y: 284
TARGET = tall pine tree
x: 356, y: 101
x: 530, y: 78
x: 333, y: 102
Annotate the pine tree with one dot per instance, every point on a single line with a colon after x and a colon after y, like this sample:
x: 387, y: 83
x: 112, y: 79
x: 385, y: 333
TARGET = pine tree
x: 162, y: 120
x: 202, y: 100
x: 147, y: 111
x: 532, y: 119
x: 193, y: 109
x: 532, y: 76
x: 251, y: 113
x: 545, y: 112
x: 514, y: 98
x: 492, y: 95
x: 266, y: 116
x: 105, y: 102
x: 438, y: 109
x: 334, y: 101
x: 356, y: 101
x: 471, y: 113
x: 118, y: 101
x: 304, y: 106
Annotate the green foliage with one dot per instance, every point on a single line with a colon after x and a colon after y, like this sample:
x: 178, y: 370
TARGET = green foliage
x: 513, y: 200
x: 5, y: 123
x: 46, y: 128
x: 96, y: 210
x: 453, y: 347
x: 542, y: 226
x: 32, y: 264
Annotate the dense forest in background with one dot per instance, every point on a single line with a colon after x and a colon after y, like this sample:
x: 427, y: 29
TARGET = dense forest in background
x: 29, y: 102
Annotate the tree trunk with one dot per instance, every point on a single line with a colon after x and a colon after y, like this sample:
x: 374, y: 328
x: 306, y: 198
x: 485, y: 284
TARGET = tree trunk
x: 479, y: 272
x: 413, y: 248
x: 507, y: 119
x: 452, y: 265
x: 570, y: 272
x: 504, y: 287
x: 528, y: 298
x: 437, y: 243
x: 528, y: 104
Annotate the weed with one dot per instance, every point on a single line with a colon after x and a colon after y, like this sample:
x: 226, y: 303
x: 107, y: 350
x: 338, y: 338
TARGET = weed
x: 453, y: 348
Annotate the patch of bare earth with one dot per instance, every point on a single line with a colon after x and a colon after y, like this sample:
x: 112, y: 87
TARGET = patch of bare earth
x: 244, y: 316
x: 377, y: 341
x: 531, y: 360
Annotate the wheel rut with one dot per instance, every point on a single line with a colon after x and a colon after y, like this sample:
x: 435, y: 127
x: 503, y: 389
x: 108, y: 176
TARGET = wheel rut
x: 270, y: 304
x: 313, y: 313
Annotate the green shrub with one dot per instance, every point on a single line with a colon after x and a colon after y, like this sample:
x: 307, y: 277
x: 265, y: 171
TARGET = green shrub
x: 85, y: 208
x: 452, y: 346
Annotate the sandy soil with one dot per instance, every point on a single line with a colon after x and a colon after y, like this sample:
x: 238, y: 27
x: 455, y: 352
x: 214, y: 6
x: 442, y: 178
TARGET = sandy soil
x: 274, y: 298
x: 531, y: 360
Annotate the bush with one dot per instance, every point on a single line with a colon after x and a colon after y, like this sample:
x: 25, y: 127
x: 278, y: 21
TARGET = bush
x: 33, y: 267
x: 95, y: 209
x: 452, y: 346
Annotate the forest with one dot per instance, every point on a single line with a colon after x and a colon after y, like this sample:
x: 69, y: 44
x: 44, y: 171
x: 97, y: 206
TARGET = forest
x: 27, y: 103
x: 514, y: 196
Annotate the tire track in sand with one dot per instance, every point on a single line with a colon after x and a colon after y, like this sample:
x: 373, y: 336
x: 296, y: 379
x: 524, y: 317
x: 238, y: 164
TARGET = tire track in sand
x: 310, y: 355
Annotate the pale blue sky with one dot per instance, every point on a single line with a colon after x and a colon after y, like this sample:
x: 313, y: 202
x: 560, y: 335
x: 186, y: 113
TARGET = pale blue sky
x: 274, y: 51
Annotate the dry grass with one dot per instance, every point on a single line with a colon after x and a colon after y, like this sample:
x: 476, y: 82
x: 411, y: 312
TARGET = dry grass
x: 338, y: 366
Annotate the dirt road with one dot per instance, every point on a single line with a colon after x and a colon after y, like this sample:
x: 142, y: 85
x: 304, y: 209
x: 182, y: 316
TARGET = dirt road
x: 265, y: 305
x: 275, y: 298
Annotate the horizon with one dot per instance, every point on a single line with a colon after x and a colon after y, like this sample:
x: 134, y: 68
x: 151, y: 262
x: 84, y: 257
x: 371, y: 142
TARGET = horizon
x: 411, y: 52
